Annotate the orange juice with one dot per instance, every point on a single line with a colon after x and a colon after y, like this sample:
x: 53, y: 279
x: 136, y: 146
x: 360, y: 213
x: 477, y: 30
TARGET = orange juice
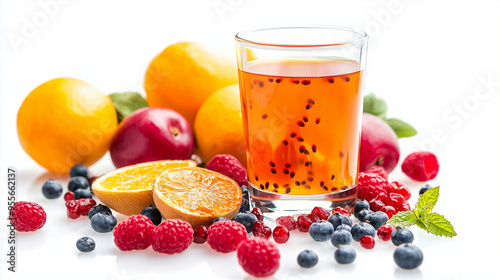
x: 302, y: 123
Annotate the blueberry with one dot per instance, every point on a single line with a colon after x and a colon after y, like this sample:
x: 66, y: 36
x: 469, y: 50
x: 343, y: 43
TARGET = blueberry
x: 218, y: 219
x: 424, y: 189
x: 344, y: 227
x: 99, y: 208
x: 361, y: 229
x: 321, y: 231
x: 82, y: 193
x: 401, y: 235
x: 340, y: 238
x: 103, y: 222
x: 246, y: 219
x: 362, y: 214
x: 408, y: 256
x: 338, y: 219
x: 153, y: 214
x: 78, y: 170
x: 307, y: 259
x: 377, y: 219
x: 360, y: 205
x: 245, y: 201
x: 52, y: 189
x: 85, y: 244
x: 345, y: 255
x: 78, y: 182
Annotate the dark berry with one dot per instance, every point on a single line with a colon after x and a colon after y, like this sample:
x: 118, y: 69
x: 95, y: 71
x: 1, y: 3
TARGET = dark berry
x: 424, y: 189
x: 344, y: 227
x: 245, y: 201
x: 362, y: 214
x: 408, y: 256
x: 103, y: 222
x: 261, y: 230
x: 153, y: 214
x: 321, y: 212
x: 339, y: 219
x: 100, y: 208
x: 288, y: 222
x: 218, y: 219
x: 361, y: 229
x: 307, y: 259
x: 246, y: 219
x: 345, y: 255
x: 52, y: 189
x: 321, y: 231
x: 340, y: 238
x: 281, y: 234
x: 200, y: 234
x: 82, y: 193
x: 258, y: 213
x: 385, y: 231
x: 78, y: 182
x: 78, y: 170
x: 401, y: 235
x: 367, y: 242
x: 360, y: 205
x: 85, y: 244
x: 377, y: 219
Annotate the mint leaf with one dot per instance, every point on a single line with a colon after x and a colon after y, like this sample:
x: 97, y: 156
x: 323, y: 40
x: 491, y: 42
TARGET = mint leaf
x: 437, y: 224
x: 426, y: 201
x: 403, y: 219
x: 374, y: 105
x: 401, y: 128
x: 126, y: 103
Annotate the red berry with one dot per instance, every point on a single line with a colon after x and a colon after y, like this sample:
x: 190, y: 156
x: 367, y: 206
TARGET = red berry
x: 341, y: 211
x: 200, y: 234
x: 396, y: 199
x: 258, y: 257
x: 389, y: 210
x: 404, y: 208
x: 69, y: 196
x: 370, y: 185
x: 313, y: 217
x: 367, y: 242
x: 376, y: 205
x: 287, y: 221
x: 72, y: 209
x: 229, y: 166
x: 401, y: 188
x: 27, y: 216
x: 382, y: 197
x: 379, y: 170
x: 224, y: 236
x: 172, y: 236
x: 85, y: 204
x: 303, y: 223
x: 281, y: 234
x: 321, y: 212
x: 421, y: 166
x: 384, y: 232
x: 261, y: 230
x: 258, y: 213
x: 135, y: 233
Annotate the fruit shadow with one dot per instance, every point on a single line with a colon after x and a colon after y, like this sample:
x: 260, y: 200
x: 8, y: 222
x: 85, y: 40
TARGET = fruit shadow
x: 400, y: 273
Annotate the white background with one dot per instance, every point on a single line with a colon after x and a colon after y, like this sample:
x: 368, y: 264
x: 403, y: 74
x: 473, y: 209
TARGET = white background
x: 427, y: 59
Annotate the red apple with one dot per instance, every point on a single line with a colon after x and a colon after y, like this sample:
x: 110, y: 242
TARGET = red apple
x: 151, y: 134
x: 379, y: 144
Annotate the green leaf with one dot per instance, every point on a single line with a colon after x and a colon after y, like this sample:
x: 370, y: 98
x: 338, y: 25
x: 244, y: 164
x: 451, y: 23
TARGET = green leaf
x: 401, y: 128
x: 403, y: 219
x: 126, y: 103
x: 437, y: 224
x: 374, y: 105
x: 421, y: 224
x: 426, y: 201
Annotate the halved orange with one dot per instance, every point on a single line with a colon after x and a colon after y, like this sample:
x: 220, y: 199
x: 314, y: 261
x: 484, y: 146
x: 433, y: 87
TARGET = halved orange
x: 196, y: 195
x: 128, y: 190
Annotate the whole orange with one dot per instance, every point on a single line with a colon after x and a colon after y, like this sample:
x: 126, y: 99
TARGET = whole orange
x: 66, y: 121
x: 184, y: 75
x: 219, y: 126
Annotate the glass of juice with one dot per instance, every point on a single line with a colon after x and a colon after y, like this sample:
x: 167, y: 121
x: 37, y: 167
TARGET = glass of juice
x: 301, y: 98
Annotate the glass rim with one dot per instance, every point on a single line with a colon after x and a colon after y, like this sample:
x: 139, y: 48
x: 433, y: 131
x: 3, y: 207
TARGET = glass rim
x: 363, y: 37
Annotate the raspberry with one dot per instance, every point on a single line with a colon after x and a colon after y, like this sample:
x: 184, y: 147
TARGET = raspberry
x: 287, y: 221
x: 261, y: 230
x: 341, y: 211
x: 258, y: 213
x: 172, y: 236
x: 200, y: 234
x: 229, y: 166
x: 258, y: 257
x: 224, y: 236
x: 379, y: 170
x: 281, y: 234
x: 420, y: 166
x: 321, y: 212
x: 135, y: 233
x: 370, y: 185
x: 27, y: 216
